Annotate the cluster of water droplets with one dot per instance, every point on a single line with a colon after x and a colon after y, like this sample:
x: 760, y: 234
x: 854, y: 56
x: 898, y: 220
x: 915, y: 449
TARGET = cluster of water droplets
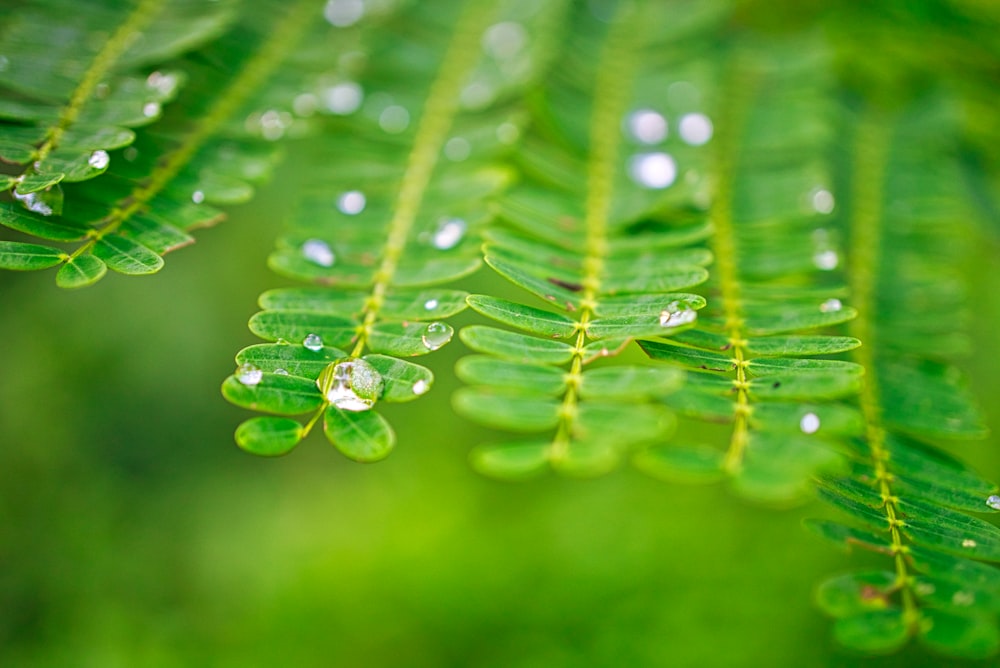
x: 650, y: 128
x: 677, y: 313
x: 351, y: 384
x: 46, y: 202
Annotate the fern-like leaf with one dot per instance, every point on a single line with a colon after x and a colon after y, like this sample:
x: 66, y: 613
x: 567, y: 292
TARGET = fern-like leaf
x: 908, y: 232
x: 390, y: 217
x: 600, y: 232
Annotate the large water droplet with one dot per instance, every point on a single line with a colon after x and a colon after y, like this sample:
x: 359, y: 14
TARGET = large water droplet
x: 151, y: 109
x: 831, y: 305
x: 822, y: 200
x: 99, y: 159
x: 809, y: 424
x: 436, y: 335
x: 352, y: 202
x: 826, y: 260
x: 394, y: 119
x: 343, y: 98
x: 318, y: 252
x: 197, y: 197
x: 993, y: 501
x: 647, y: 126
x: 249, y: 375
x: 695, y: 129
x: 344, y: 13
x: 313, y: 342
x: 653, y: 170
x: 449, y: 233
x: 504, y: 40
x: 351, y: 384
x: 46, y: 202
x: 421, y: 387
x: 676, y: 314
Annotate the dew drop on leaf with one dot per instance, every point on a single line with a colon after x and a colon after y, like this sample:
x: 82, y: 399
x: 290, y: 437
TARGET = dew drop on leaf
x: 507, y: 133
x: 504, y: 40
x: 249, y: 375
x: 831, y: 306
x: 676, y: 314
x: 449, y: 233
x: 151, y: 109
x: 826, y: 260
x: 99, y: 159
x: 695, y: 129
x: 822, y: 200
x: 394, y: 119
x: 436, y: 335
x: 647, y: 126
x: 457, y: 149
x: 197, y: 197
x: 318, y: 252
x: 963, y: 598
x: 352, y: 202
x: 343, y: 98
x: 420, y: 387
x: 653, y: 170
x: 993, y: 501
x: 281, y: 372
x: 351, y: 384
x: 430, y: 304
x: 313, y: 342
x: 809, y: 424
x: 46, y: 202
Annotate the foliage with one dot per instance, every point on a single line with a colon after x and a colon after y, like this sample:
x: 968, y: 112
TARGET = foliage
x: 671, y: 173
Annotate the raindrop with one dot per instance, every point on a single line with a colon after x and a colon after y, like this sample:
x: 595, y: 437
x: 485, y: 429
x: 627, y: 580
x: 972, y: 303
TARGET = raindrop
x: 677, y: 314
x: 826, y: 260
x: 344, y: 13
x: 351, y: 384
x: 273, y: 124
x: 507, y: 133
x: 421, y: 387
x: 822, y: 200
x: 197, y: 197
x: 647, y: 126
x: 318, y: 252
x: 436, y: 335
x: 45, y: 202
x: 352, y: 202
x: 457, y: 149
x: 99, y: 159
x: 993, y: 501
x: 695, y: 129
x: 313, y: 342
x: 343, y: 98
x: 504, y: 40
x: 151, y: 109
x: 281, y: 372
x: 831, y: 306
x: 449, y: 233
x: 653, y: 170
x: 249, y: 375
x: 164, y: 84
x: 809, y: 424
x: 431, y: 304
x: 394, y: 119
x: 969, y: 543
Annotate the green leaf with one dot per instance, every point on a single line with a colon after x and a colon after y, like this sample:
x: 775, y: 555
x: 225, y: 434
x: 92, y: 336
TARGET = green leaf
x: 499, y: 373
x: 848, y: 537
x: 408, y: 339
x: 281, y: 395
x: 682, y: 463
x: 853, y: 594
x: 296, y: 360
x: 691, y: 358
x: 527, y: 318
x: 505, y: 410
x: 515, y: 347
x: 404, y: 381
x: 511, y: 461
x: 874, y: 632
x: 269, y: 436
x: 43, y: 227
x: 295, y: 326
x: 80, y: 272
x: 361, y: 436
x: 127, y: 256
x: 950, y: 531
x: 629, y: 382
x: 28, y: 257
x: 799, y: 346
x: 971, y: 637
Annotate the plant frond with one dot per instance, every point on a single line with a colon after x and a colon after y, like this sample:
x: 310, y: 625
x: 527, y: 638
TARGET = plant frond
x: 392, y: 215
x: 754, y: 362
x: 207, y: 151
x: 600, y: 232
x: 906, y: 211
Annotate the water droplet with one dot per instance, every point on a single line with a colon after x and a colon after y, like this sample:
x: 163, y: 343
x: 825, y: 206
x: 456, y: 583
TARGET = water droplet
x: 99, y: 159
x: 130, y: 154
x: 313, y: 342
x: 993, y: 501
x: 436, y: 335
x: 676, y: 314
x: 164, y: 84
x: 449, y: 233
x: 281, y: 372
x: 273, y: 123
x: 507, y: 133
x: 969, y: 543
x: 831, y: 306
x: 343, y: 13
x: 351, y: 384
x: 809, y: 424
x: 46, y: 202
x: 504, y: 40
x: 151, y: 109
x: 249, y: 375
x: 197, y: 197
x: 343, y: 98
x: 352, y: 202
x: 647, y: 126
x: 963, y: 598
x: 394, y: 119
x: 421, y: 387
x: 695, y: 129
x: 653, y: 170
x: 822, y: 200
x: 318, y: 252
x: 826, y: 260
x: 431, y: 304
x: 305, y: 105
x: 457, y: 149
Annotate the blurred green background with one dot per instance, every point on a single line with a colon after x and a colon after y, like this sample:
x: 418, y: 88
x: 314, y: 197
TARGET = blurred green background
x: 135, y: 533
